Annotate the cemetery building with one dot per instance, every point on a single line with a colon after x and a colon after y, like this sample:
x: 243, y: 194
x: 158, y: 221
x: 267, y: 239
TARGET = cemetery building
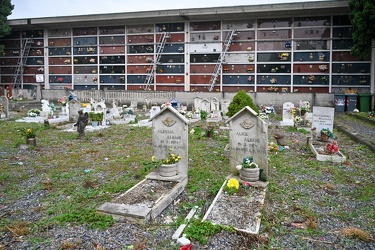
x: 291, y: 47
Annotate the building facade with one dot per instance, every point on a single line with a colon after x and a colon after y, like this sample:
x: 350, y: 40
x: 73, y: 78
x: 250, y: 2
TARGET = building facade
x: 295, y: 47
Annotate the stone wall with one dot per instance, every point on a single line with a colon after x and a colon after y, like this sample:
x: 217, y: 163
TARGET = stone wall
x: 187, y: 98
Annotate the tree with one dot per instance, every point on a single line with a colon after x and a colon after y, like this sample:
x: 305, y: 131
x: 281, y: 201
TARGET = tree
x: 5, y: 10
x: 362, y: 17
x: 241, y: 100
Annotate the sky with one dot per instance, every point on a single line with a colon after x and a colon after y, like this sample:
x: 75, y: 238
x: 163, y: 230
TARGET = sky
x: 50, y: 8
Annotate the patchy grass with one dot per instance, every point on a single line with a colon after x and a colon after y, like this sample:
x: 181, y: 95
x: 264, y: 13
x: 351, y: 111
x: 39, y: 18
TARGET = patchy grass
x: 73, y: 177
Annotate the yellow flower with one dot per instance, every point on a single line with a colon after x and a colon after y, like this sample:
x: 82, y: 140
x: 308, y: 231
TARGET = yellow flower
x: 233, y: 183
x: 153, y: 158
x: 28, y: 130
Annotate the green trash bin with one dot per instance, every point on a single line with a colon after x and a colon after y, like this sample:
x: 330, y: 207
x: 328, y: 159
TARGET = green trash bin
x: 364, y: 102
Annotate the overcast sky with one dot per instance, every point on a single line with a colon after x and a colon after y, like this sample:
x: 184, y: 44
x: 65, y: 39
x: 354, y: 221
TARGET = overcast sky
x: 51, y: 8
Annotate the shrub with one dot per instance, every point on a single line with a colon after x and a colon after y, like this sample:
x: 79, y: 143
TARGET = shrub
x: 241, y: 100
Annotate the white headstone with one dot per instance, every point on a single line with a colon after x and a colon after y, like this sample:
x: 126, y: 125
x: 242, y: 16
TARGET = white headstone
x: 154, y: 110
x: 170, y: 135
x: 74, y: 107
x: 197, y: 103
x: 205, y: 105
x: 248, y: 136
x: 287, y: 115
x: 114, y: 113
x: 224, y: 106
x: 133, y: 104
x: 101, y: 107
x: 323, y: 117
x: 215, y: 105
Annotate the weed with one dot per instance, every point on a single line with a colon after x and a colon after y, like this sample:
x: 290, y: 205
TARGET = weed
x: 86, y: 216
x: 200, y: 231
x: 303, y: 131
x: 67, y: 244
x: 20, y: 228
x: 356, y: 233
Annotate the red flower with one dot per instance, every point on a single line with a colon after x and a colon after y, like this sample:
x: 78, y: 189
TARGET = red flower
x: 332, y: 147
x: 186, y: 247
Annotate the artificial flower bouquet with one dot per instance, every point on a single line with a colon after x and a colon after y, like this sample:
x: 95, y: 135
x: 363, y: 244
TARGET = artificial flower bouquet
x: 332, y: 147
x: 27, y: 132
x: 247, y: 162
x: 63, y: 101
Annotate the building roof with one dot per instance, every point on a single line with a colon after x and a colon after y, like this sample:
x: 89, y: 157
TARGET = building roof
x: 316, y: 8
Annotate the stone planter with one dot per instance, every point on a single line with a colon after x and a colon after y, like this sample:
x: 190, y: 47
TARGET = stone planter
x: 168, y: 170
x: 249, y: 174
x: 94, y: 123
x: 31, y: 141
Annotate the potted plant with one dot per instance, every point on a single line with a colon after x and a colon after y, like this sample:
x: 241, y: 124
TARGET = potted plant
x: 29, y: 134
x: 96, y: 118
x: 167, y: 167
x: 326, y: 134
x: 304, y: 106
x: 50, y: 114
x: 249, y: 170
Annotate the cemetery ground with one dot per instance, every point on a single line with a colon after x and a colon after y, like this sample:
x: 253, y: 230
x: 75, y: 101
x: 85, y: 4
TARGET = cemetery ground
x: 49, y: 193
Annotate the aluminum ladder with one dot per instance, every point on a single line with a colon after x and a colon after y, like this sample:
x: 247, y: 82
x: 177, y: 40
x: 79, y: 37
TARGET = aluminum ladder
x: 221, y: 60
x: 26, y: 44
x: 159, y: 50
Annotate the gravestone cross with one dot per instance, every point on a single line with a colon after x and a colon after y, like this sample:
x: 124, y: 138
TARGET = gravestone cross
x: 248, y: 136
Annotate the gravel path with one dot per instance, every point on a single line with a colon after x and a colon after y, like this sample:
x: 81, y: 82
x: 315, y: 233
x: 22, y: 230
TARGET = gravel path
x: 356, y: 126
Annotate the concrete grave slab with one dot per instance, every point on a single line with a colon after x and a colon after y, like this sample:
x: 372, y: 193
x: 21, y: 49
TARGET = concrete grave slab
x: 151, y: 196
x: 241, y: 212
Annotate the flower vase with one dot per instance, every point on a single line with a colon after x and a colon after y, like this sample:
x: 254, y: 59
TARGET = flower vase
x: 168, y: 170
x: 31, y: 141
x: 249, y: 174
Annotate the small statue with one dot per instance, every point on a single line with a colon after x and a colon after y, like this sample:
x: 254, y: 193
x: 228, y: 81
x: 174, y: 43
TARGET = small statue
x: 82, y: 121
x: 313, y: 132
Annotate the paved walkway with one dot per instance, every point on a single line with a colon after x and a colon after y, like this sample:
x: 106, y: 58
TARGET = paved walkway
x: 360, y: 129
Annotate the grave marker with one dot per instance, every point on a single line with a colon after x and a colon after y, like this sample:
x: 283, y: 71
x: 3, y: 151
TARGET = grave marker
x: 287, y: 115
x: 154, y: 110
x: 248, y: 136
x: 206, y: 106
x: 170, y: 131
x: 197, y: 103
x: 224, y: 106
x: 74, y: 107
x: 323, y: 117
